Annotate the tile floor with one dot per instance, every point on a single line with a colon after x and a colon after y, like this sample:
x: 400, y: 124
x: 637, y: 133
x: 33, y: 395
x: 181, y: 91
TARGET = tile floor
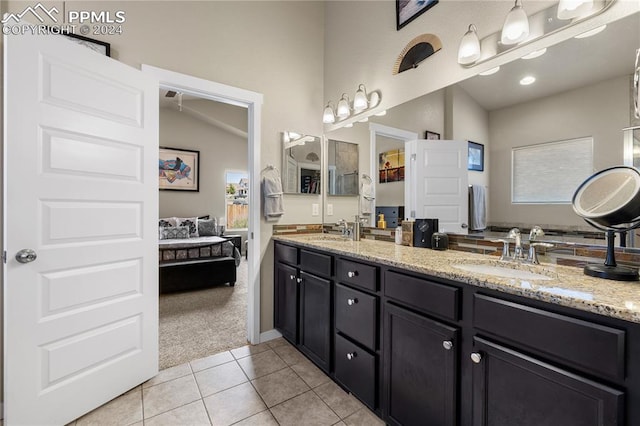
x: 266, y: 384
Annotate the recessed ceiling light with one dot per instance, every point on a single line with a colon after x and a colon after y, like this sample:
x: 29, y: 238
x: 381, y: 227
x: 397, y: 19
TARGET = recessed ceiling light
x: 490, y: 71
x: 535, y: 53
x: 591, y: 32
x: 527, y: 80
x: 381, y: 113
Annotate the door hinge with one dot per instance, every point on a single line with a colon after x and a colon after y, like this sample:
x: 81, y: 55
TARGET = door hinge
x: 413, y: 213
x: 4, y: 257
x: 252, y: 235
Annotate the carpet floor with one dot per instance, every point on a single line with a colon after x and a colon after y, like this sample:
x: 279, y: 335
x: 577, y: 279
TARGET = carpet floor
x: 195, y: 324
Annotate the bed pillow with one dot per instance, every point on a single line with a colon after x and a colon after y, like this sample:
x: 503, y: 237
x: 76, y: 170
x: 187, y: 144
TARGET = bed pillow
x: 207, y: 228
x: 191, y: 223
x: 167, y: 222
x: 174, y: 233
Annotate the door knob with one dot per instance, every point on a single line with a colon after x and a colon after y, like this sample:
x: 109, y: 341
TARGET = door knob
x: 352, y: 274
x: 351, y: 355
x: 447, y: 344
x: 298, y: 280
x: 351, y: 302
x: 26, y: 256
x: 293, y: 277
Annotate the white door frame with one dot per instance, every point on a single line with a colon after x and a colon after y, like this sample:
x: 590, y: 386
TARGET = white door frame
x: 223, y: 93
x: 376, y: 130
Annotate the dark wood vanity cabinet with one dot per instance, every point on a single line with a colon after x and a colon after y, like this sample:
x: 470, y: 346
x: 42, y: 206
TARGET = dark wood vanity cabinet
x: 422, y: 350
x: 420, y: 369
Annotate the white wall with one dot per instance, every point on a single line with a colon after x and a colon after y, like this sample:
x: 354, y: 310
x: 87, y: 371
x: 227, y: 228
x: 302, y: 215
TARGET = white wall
x: 600, y: 110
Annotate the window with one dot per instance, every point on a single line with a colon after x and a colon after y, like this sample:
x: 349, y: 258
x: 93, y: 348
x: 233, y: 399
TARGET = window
x: 550, y: 172
x: 237, y: 200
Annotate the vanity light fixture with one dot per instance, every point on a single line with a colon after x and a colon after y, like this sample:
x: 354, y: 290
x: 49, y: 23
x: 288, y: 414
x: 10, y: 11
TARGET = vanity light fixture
x: 525, y: 81
x: 516, y: 25
x: 592, y: 32
x: 360, y: 100
x: 328, y: 117
x: 489, y: 71
x: 535, y: 54
x: 570, y: 9
x: 343, y: 111
x: 469, y: 50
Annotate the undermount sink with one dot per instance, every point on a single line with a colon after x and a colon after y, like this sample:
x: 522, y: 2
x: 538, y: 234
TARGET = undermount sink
x: 502, y: 271
x: 328, y: 239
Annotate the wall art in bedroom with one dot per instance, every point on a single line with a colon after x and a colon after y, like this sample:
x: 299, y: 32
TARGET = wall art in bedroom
x: 179, y: 169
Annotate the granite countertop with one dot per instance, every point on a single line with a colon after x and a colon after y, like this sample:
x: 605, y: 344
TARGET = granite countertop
x: 562, y: 285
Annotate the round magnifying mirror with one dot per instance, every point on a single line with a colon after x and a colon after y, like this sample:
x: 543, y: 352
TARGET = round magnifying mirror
x: 610, y: 200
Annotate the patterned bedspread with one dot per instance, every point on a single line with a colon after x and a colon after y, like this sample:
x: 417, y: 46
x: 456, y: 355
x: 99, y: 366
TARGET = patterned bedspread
x: 197, y: 248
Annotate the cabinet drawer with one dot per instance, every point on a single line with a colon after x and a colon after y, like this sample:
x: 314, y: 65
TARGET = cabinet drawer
x: 587, y: 346
x: 425, y: 295
x: 356, y: 315
x: 317, y: 263
x: 359, y: 274
x: 286, y: 254
x: 356, y: 370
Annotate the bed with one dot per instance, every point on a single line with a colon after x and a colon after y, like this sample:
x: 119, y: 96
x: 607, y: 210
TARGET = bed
x: 199, y: 262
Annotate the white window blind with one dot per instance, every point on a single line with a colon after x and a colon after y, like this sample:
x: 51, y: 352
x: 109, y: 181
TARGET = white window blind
x: 550, y: 172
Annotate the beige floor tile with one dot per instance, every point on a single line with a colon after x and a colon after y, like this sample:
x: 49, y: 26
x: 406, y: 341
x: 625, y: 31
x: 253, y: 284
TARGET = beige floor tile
x: 216, y: 379
x: 363, y: 417
x: 277, y: 387
x: 211, y: 361
x: 245, y: 351
x: 193, y: 414
x: 261, y: 419
x: 311, y: 374
x: 233, y: 405
x: 341, y: 402
x: 169, y: 395
x: 289, y: 354
x: 123, y: 410
x: 306, y: 409
x: 280, y: 341
x: 168, y: 374
x: 261, y: 364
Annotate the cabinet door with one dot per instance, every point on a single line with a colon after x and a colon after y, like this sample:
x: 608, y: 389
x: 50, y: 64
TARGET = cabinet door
x: 420, y: 369
x: 512, y: 388
x: 315, y: 318
x: 286, y: 301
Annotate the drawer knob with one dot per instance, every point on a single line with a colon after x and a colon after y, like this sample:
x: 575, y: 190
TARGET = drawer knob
x: 298, y: 280
x: 352, y: 274
x: 293, y: 277
x: 447, y: 344
x: 476, y: 357
x: 351, y: 302
x: 351, y: 355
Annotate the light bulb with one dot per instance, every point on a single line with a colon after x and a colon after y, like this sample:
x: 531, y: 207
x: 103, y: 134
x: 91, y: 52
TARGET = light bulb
x: 469, y: 50
x: 360, y: 102
x: 516, y: 26
x: 328, y: 116
x: 343, y: 111
x: 569, y: 9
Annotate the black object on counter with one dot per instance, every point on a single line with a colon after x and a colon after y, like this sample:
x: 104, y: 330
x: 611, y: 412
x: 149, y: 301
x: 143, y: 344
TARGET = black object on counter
x: 423, y: 229
x: 439, y: 241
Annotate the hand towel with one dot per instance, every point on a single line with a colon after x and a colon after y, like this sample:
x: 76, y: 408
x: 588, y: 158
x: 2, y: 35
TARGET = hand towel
x: 478, y: 208
x: 272, y: 191
x: 367, y: 198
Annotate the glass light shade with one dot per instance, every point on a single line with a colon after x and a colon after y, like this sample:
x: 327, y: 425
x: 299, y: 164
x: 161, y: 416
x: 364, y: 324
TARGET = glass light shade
x: 374, y: 99
x: 360, y: 102
x: 343, y: 110
x: 592, y: 32
x: 516, y: 26
x: 328, y: 117
x: 469, y: 50
x: 569, y: 9
x: 535, y: 54
x: 489, y: 71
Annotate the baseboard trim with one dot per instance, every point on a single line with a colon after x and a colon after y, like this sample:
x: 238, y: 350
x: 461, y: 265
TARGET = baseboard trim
x: 269, y: 335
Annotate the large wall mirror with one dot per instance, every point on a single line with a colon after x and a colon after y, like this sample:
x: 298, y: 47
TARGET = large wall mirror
x: 301, y: 163
x: 583, y: 88
x: 343, y: 166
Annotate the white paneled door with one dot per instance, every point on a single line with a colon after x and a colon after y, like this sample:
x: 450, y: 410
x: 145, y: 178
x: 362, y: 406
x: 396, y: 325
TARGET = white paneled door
x: 437, y: 183
x: 80, y: 191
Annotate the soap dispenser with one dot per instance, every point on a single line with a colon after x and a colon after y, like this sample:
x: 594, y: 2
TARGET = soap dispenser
x: 381, y: 222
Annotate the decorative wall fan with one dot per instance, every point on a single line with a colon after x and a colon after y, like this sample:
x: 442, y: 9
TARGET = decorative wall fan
x: 418, y: 49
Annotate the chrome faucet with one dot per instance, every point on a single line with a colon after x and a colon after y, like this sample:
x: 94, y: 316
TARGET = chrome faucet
x: 518, y: 253
x: 344, y: 228
x: 356, y: 230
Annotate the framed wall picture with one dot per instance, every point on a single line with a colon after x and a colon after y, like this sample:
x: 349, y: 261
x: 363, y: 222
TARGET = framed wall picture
x: 408, y: 10
x: 179, y: 169
x: 476, y: 157
x: 431, y: 135
x: 95, y: 45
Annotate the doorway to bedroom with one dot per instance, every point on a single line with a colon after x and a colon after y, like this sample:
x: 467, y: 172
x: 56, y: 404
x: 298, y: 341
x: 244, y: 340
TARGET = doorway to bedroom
x: 203, y: 314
